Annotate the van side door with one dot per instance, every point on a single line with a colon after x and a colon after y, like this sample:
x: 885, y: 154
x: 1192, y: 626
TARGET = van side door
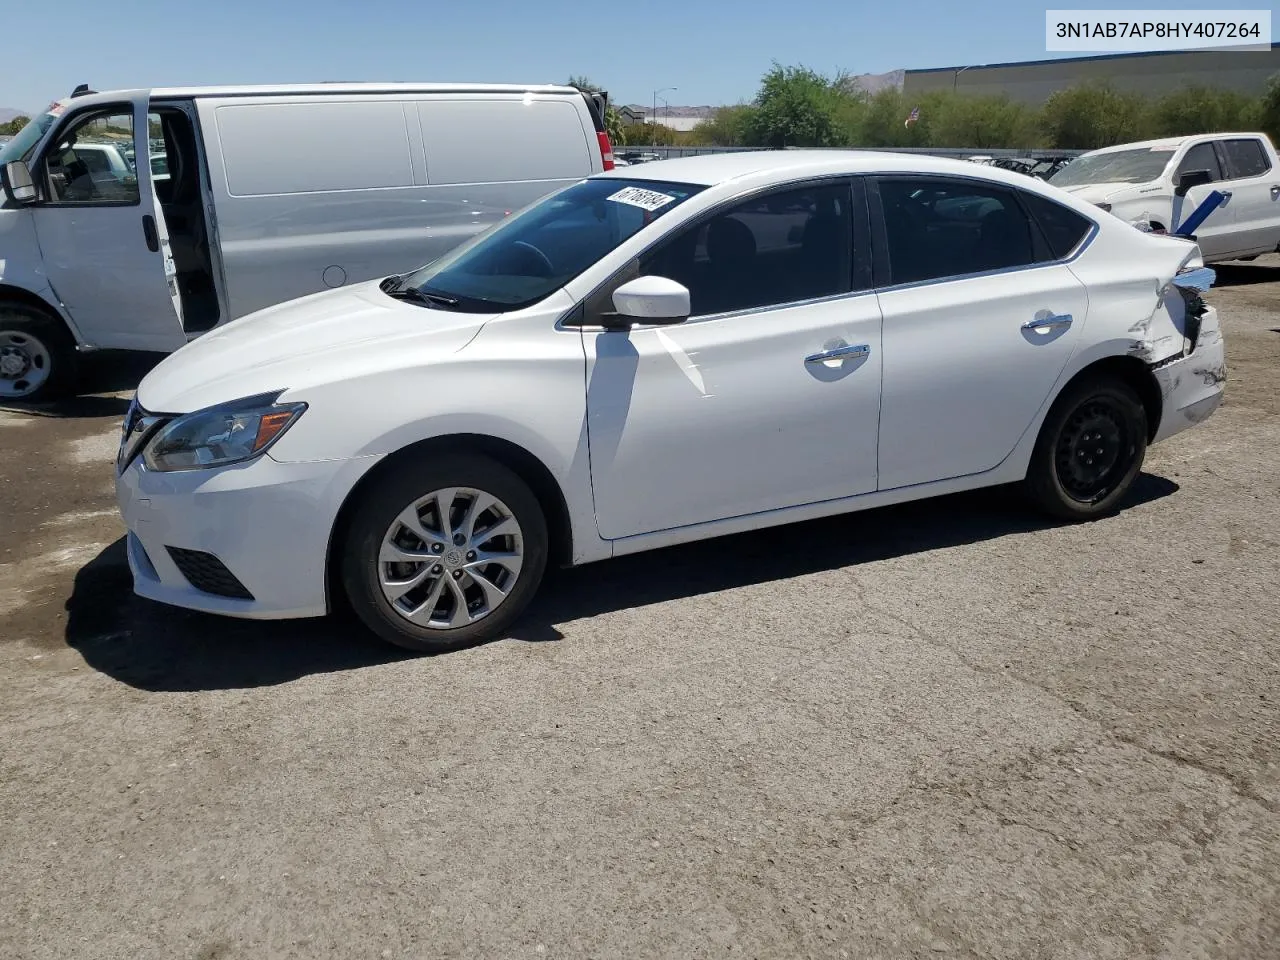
x: 102, y: 237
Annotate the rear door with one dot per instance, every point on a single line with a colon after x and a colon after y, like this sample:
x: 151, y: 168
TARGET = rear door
x: 980, y: 317
x: 1254, y: 188
x: 101, y: 234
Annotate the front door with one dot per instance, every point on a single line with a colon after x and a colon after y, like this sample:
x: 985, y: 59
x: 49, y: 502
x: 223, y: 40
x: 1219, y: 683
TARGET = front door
x: 980, y: 318
x: 767, y: 397
x: 101, y: 233
x: 1216, y: 235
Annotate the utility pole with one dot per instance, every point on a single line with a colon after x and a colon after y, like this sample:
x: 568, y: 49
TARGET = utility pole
x: 653, y: 117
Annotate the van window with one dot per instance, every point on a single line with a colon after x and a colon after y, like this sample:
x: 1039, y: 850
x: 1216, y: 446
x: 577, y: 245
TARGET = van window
x: 491, y: 141
x: 274, y: 148
x: 91, y: 160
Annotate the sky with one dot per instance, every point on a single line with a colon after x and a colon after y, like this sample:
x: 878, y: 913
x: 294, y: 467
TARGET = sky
x: 713, y: 51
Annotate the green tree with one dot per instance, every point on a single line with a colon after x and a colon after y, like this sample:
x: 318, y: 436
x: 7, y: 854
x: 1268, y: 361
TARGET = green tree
x: 796, y: 107
x: 726, y: 127
x: 1094, y: 115
x: 1203, y: 110
x: 14, y: 125
x: 981, y: 122
x: 1268, y: 118
x: 884, y: 121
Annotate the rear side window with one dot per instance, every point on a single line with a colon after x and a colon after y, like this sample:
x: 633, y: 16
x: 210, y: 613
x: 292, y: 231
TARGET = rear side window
x: 1201, y: 157
x: 1245, y: 158
x: 1062, y: 229
x: 275, y: 148
x: 937, y: 228
x: 491, y: 141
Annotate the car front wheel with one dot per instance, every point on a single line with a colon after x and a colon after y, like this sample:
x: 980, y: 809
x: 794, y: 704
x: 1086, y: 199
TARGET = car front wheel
x: 1089, y: 451
x: 444, y: 552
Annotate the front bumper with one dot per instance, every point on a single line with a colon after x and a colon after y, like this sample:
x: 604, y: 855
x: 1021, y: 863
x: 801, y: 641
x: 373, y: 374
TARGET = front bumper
x: 1193, y: 386
x: 267, y: 522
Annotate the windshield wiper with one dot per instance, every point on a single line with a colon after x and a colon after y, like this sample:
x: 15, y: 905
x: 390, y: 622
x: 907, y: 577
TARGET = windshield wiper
x: 414, y: 295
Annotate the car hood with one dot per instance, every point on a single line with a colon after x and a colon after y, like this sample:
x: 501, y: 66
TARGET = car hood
x: 1102, y: 192
x: 316, y: 339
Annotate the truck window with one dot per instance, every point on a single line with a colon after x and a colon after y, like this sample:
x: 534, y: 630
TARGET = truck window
x: 90, y: 162
x: 1245, y: 158
x: 1201, y: 157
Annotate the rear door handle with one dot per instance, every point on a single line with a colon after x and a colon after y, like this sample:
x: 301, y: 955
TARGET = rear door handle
x: 149, y: 231
x: 1051, y: 322
x: 840, y: 353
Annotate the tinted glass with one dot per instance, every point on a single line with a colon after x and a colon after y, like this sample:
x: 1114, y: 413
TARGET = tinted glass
x: 1119, y: 166
x: 521, y: 260
x: 1201, y: 157
x: 771, y: 250
x: 1245, y: 159
x: 939, y: 228
x: 1062, y: 229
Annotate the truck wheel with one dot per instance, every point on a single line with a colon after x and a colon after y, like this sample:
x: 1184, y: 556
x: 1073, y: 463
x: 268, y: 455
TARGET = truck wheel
x: 37, y: 355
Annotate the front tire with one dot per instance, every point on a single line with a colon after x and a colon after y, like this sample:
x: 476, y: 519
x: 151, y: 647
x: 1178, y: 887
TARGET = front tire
x: 1089, y: 451
x: 37, y: 355
x: 444, y: 552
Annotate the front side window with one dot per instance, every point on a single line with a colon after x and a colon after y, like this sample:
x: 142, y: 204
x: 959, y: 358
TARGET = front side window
x: 1115, y: 166
x: 937, y: 228
x: 1201, y: 157
x: 1245, y: 158
x: 776, y: 249
x: 522, y: 260
x: 92, y: 160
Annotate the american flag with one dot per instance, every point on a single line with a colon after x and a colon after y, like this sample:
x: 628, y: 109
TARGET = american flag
x: 912, y: 117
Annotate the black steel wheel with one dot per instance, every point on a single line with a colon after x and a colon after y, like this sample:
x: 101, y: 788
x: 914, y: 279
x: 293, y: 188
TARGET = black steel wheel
x: 1090, y: 449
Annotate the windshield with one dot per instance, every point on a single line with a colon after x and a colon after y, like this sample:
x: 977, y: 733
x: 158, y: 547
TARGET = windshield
x: 19, y: 148
x: 1122, y: 166
x: 521, y: 260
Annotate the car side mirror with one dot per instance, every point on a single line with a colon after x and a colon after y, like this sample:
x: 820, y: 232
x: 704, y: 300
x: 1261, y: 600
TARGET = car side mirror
x: 1192, y: 178
x: 648, y: 301
x: 18, y: 185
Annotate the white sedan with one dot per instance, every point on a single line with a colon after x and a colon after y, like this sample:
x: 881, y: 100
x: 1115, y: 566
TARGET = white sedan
x: 725, y: 343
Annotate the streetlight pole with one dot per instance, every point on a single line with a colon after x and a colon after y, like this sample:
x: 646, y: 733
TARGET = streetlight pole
x: 653, y: 117
x: 955, y: 79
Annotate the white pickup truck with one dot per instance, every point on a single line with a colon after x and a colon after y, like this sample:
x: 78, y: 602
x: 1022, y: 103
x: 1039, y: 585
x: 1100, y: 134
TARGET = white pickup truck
x: 1161, y: 183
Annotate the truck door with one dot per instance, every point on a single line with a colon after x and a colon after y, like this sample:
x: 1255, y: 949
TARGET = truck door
x: 102, y: 236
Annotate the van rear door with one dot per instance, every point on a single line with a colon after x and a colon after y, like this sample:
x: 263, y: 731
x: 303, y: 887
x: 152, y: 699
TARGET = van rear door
x: 101, y: 233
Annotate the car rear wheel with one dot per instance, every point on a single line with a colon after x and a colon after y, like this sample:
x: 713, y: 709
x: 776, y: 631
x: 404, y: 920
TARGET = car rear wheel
x: 1089, y: 451
x: 444, y: 552
x: 37, y: 355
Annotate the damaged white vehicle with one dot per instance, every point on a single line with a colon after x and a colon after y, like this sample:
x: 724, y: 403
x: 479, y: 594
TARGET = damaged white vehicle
x: 725, y: 343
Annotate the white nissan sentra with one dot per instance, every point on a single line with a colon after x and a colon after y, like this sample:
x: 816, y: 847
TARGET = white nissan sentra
x: 723, y: 343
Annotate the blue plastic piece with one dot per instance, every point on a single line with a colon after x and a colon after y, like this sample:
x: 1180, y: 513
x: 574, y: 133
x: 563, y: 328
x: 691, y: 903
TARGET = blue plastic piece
x: 1211, y: 203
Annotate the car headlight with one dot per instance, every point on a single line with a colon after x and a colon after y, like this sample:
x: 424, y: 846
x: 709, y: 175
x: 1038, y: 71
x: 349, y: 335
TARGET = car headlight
x: 227, y: 433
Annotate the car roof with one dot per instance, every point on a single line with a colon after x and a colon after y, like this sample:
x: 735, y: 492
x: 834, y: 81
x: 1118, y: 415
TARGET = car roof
x: 248, y: 90
x: 782, y: 165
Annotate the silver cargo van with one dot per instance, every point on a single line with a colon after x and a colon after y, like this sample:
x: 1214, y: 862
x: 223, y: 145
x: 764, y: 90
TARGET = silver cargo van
x: 140, y: 219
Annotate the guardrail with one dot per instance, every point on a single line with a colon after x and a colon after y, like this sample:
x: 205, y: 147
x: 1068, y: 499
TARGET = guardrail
x: 667, y: 152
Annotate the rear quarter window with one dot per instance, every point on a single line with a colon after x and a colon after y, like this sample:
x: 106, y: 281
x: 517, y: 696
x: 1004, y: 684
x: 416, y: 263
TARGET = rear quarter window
x: 1062, y: 229
x: 276, y: 148
x: 493, y: 141
x: 1245, y: 158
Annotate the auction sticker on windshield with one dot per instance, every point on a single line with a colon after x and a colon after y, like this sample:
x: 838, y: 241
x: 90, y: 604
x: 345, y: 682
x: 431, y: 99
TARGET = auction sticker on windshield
x: 639, y: 197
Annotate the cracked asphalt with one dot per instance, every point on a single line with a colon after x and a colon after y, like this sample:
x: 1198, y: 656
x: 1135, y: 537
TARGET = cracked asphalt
x: 946, y: 728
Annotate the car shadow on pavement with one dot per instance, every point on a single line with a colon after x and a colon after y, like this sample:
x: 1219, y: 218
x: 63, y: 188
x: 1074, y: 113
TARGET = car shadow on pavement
x: 101, y: 372
x: 159, y: 648
x: 1245, y: 274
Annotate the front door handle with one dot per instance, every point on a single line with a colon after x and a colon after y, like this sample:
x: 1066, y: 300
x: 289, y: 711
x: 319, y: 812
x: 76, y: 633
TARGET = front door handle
x: 149, y: 231
x: 1050, y: 322
x: 847, y: 352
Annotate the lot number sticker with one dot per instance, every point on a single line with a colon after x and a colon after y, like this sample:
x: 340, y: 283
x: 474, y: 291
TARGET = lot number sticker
x: 644, y: 199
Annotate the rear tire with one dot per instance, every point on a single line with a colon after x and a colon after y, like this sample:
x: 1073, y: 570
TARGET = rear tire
x: 1089, y: 451
x: 473, y: 544
x: 38, y: 359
